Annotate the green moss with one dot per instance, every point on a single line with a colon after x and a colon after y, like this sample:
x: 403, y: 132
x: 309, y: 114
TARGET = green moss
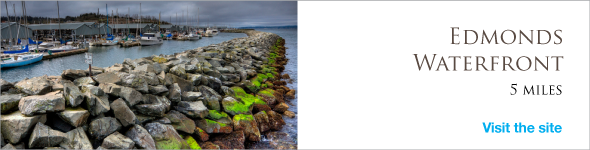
x: 169, y: 144
x: 256, y: 83
x: 215, y: 122
x: 263, y: 86
x: 247, y: 99
x: 267, y: 92
x: 214, y: 114
x: 192, y: 143
x: 243, y: 117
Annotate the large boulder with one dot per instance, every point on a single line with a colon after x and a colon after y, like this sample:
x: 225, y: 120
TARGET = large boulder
x: 117, y: 141
x: 5, y: 85
x: 103, y: 127
x: 146, y: 68
x: 195, y: 79
x: 154, y: 105
x: 40, y: 104
x: 16, y: 127
x: 71, y: 74
x: 158, y: 89
x: 130, y: 95
x: 184, y: 84
x: 166, y: 137
x: 9, y: 102
x: 111, y: 89
x: 44, y: 136
x: 262, y: 120
x: 211, y: 126
x: 248, y: 125
x: 179, y: 70
x: 234, y: 107
x: 276, y: 120
x: 281, y: 107
x: 234, y: 140
x: 74, y: 116
x: 214, y: 83
x: 180, y: 122
x: 135, y: 81
x: 191, y: 96
x: 92, y: 89
x: 72, y: 94
x: 34, y: 86
x: 84, y: 81
x: 193, y: 109
x: 141, y: 137
x: 76, y: 139
x: 175, y: 94
x: 211, y: 98
x: 201, y: 134
x: 109, y: 77
x: 97, y: 104
x: 123, y: 113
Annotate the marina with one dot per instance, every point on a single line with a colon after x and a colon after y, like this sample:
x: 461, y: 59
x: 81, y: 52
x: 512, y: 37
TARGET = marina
x: 139, y: 82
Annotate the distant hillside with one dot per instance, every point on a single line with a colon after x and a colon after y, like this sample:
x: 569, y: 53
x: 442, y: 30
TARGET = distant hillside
x: 85, y: 17
x: 274, y: 27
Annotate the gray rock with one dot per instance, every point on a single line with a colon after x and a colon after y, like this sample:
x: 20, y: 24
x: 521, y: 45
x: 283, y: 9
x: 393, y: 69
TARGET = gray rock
x: 74, y: 116
x: 179, y: 70
x: 73, y: 74
x: 166, y: 136
x: 34, y: 86
x: 214, y: 73
x: 44, y: 136
x: 150, y: 78
x: 211, y: 98
x: 163, y: 121
x: 8, y: 147
x: 193, y: 109
x: 165, y: 79
x: 102, y: 127
x: 195, y: 79
x: 92, y: 89
x: 72, y: 94
x: 175, y: 94
x: 5, y: 85
x: 76, y: 139
x: 158, y: 90
x: 109, y: 77
x: 134, y: 81
x: 123, y: 113
x: 211, y: 126
x: 146, y: 68
x: 97, y: 104
x: 214, y: 83
x: 191, y: 69
x: 191, y: 96
x: 153, y: 105
x: 84, y: 81
x: 141, y: 137
x: 230, y: 77
x: 130, y: 95
x: 117, y: 141
x: 16, y: 127
x: 40, y: 104
x: 180, y: 122
x: 184, y: 85
x: 141, y: 119
x: 9, y: 102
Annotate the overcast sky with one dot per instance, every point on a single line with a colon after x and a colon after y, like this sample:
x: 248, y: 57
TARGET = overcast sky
x: 236, y: 14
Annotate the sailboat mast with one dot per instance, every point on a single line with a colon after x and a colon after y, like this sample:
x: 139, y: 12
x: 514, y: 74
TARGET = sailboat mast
x: 9, y: 26
x: 140, y: 16
x: 128, y: 10
x: 58, y: 20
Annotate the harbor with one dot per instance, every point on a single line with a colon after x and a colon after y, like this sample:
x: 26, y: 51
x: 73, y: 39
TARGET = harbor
x: 82, y: 84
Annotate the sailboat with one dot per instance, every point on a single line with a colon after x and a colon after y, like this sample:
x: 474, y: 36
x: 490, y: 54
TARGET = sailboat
x: 20, y: 60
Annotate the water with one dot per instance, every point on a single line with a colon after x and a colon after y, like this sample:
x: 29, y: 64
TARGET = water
x: 290, y: 36
x: 108, y: 56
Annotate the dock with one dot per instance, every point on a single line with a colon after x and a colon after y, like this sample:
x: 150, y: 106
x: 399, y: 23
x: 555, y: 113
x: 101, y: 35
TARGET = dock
x: 46, y: 55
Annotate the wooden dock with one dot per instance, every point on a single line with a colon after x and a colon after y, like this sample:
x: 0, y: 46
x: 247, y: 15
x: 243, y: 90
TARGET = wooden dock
x: 46, y: 55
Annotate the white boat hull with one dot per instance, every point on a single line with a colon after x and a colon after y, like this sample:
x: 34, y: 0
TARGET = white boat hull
x: 151, y: 42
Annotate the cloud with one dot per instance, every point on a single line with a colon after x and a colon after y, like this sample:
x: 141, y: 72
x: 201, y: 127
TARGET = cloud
x: 240, y: 13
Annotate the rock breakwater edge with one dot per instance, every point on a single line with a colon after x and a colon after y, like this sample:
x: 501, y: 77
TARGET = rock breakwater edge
x: 221, y: 96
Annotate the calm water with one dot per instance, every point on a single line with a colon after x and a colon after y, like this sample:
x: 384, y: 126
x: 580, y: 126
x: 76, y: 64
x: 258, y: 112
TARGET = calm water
x: 290, y: 36
x: 108, y: 56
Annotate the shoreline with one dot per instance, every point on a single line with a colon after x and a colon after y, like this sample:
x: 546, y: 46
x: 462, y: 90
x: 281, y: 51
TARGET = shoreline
x: 234, y: 87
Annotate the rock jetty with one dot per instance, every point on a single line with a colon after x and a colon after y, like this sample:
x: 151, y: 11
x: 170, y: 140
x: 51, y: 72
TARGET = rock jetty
x: 222, y: 96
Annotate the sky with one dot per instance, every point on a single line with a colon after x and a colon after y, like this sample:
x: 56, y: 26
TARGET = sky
x: 220, y: 13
